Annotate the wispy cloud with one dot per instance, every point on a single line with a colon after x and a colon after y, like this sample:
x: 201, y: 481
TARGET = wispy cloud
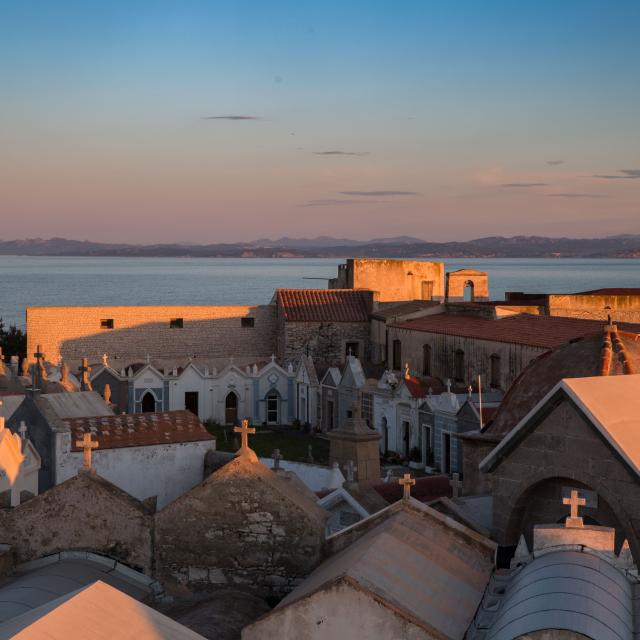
x: 627, y: 174
x: 336, y: 152
x: 332, y: 202
x: 379, y: 193
x: 231, y: 117
x: 555, y: 162
x: 523, y: 185
x: 576, y: 195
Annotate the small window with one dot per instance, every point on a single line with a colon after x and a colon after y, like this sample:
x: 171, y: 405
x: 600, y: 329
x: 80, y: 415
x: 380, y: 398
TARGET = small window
x: 107, y: 323
x: 247, y: 322
x: 176, y: 323
x: 426, y: 360
x: 458, y: 366
x: 397, y: 355
x: 495, y: 371
x: 352, y: 349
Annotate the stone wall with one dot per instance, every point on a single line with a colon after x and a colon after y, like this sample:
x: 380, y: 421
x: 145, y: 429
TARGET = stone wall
x: 208, y: 332
x: 477, y: 355
x: 563, y: 449
x: 85, y: 513
x: 243, y: 525
x: 622, y: 308
x: 326, y: 341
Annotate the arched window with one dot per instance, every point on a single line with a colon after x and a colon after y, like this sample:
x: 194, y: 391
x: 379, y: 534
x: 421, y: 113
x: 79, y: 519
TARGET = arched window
x: 458, y: 365
x: 469, y: 294
x: 426, y: 360
x: 148, y: 402
x: 494, y: 375
x: 231, y: 408
x: 397, y: 355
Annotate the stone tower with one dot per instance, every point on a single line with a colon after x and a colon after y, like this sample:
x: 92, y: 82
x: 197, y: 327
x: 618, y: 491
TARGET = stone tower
x: 355, y: 442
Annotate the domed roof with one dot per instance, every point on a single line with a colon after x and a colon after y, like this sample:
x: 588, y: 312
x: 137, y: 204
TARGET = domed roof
x: 610, y: 352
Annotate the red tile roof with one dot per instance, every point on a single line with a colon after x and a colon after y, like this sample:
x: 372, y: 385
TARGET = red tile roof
x: 611, y: 291
x: 324, y: 305
x: 139, y: 429
x: 425, y: 489
x: 546, y: 332
x: 415, y: 387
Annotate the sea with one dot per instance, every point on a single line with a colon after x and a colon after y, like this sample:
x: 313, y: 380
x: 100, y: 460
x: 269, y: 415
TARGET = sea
x: 59, y: 281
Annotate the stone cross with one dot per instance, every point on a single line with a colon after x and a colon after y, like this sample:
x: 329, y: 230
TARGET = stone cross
x: 276, y: 459
x: 407, y: 482
x: 448, y: 385
x: 455, y: 485
x: 105, y: 359
x: 351, y: 471
x: 23, y: 430
x: 244, y: 430
x: 87, y: 445
x: 574, y: 502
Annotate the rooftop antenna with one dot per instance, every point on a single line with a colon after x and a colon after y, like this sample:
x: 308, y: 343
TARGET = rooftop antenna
x: 480, y: 400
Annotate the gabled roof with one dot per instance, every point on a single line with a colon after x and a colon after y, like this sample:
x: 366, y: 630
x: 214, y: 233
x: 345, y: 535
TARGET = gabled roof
x: 611, y: 404
x: 324, y: 305
x: 546, y: 332
x: 420, y: 564
x: 95, y: 612
x: 331, y: 377
x: 75, y: 404
x: 139, y: 429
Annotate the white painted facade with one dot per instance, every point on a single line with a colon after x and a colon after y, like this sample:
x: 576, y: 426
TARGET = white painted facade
x: 165, y: 470
x: 268, y: 395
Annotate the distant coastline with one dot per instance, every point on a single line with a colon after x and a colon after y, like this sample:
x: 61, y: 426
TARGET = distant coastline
x: 624, y: 246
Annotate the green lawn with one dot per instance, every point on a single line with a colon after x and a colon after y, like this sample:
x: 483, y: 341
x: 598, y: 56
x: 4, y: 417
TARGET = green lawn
x: 293, y: 444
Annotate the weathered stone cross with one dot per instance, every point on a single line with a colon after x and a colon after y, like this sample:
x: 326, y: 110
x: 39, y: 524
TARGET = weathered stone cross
x: 23, y: 430
x: 407, y: 482
x: 276, y: 459
x: 85, y: 369
x: 87, y: 445
x: 456, y: 485
x: 244, y: 430
x: 574, y: 501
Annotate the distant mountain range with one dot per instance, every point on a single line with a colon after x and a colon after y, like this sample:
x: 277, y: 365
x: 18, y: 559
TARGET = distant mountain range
x: 621, y: 246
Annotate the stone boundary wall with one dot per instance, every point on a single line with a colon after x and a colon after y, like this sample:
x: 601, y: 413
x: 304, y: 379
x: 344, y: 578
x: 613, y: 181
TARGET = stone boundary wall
x: 208, y: 332
x: 622, y: 308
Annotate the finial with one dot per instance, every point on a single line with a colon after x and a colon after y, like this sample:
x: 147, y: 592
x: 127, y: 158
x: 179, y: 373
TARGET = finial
x: 22, y: 429
x: 455, y: 485
x: 276, y: 459
x: 105, y: 359
x: 407, y: 371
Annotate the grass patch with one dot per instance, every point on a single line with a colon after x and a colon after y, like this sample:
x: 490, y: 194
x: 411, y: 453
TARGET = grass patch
x: 293, y: 444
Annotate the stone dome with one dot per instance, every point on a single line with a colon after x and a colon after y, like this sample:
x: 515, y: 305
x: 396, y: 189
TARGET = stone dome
x: 613, y: 351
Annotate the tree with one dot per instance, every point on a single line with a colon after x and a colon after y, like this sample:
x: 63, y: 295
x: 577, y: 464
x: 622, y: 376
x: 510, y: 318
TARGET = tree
x: 12, y: 340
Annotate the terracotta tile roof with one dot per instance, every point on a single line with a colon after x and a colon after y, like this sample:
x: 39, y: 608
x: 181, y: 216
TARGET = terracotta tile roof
x: 324, y: 305
x: 611, y: 291
x: 546, y: 332
x: 415, y: 387
x: 139, y: 429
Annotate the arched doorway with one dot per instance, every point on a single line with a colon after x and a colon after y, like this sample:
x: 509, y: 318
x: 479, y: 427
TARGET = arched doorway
x: 148, y: 404
x: 231, y: 408
x: 469, y: 293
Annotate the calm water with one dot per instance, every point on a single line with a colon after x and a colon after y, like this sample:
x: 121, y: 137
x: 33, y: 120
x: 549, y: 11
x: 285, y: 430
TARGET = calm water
x: 27, y: 281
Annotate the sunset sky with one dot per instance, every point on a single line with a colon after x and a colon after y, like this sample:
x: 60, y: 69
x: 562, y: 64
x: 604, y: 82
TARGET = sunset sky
x: 154, y: 121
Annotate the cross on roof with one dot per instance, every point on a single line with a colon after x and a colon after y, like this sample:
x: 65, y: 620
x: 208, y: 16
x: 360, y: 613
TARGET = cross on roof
x: 23, y: 430
x: 574, y: 502
x: 456, y: 485
x: 276, y: 459
x: 87, y: 445
x: 244, y: 430
x: 38, y: 354
x: 407, y: 482
x: 105, y: 359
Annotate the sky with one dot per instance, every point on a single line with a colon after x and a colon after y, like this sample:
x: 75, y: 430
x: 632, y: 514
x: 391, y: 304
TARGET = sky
x: 203, y: 121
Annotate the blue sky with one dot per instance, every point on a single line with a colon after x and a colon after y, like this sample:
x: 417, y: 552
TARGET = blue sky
x: 450, y: 120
